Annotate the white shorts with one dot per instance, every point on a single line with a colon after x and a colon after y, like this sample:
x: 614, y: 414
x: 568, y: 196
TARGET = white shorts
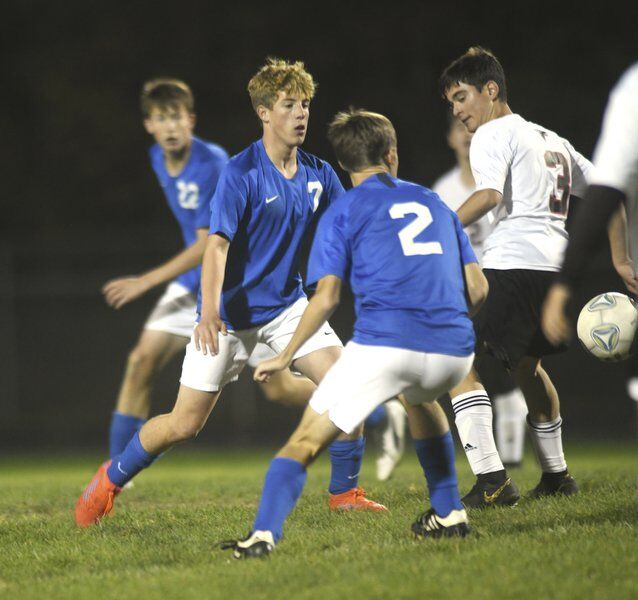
x: 260, y: 353
x: 366, y: 376
x: 175, y: 312
x: 210, y: 373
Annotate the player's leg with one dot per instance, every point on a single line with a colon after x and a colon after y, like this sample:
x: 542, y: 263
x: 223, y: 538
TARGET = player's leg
x: 203, y: 377
x: 151, y: 353
x: 510, y: 409
x: 473, y: 419
x: 346, y: 452
x: 391, y: 436
x: 165, y: 334
x: 545, y: 427
x: 350, y: 391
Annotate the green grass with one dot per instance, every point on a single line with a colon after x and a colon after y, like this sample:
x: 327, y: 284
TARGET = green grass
x: 161, y: 541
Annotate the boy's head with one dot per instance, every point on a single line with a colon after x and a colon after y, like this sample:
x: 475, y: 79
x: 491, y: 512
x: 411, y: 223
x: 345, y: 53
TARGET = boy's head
x: 168, y: 108
x: 362, y: 139
x: 473, y: 84
x: 280, y: 93
x: 458, y: 138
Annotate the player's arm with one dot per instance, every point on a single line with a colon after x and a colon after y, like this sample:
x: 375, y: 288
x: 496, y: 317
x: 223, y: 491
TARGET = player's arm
x: 319, y: 310
x: 121, y: 291
x: 619, y: 244
x: 476, y: 287
x: 210, y: 324
x: 478, y: 205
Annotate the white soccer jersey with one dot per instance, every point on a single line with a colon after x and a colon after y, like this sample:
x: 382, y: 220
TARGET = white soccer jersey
x: 535, y: 170
x: 616, y: 154
x: 453, y: 191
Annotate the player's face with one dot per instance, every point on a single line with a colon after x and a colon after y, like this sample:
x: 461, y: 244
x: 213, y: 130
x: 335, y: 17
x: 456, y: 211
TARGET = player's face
x: 288, y: 118
x: 459, y: 138
x: 473, y: 107
x: 172, y: 128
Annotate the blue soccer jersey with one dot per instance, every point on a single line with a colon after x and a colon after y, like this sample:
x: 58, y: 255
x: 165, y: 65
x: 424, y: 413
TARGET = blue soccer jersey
x: 403, y: 251
x: 265, y: 217
x: 189, y: 193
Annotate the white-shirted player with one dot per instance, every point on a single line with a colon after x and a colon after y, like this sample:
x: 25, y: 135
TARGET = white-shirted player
x: 524, y: 176
x: 614, y: 184
x: 454, y: 187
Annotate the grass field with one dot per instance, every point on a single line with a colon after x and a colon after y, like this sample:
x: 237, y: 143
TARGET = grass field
x: 161, y: 541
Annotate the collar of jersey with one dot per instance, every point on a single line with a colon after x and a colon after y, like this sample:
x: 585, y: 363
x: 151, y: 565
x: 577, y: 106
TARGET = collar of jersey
x: 262, y: 149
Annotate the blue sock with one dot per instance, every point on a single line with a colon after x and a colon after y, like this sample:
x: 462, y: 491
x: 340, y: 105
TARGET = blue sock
x: 376, y: 417
x: 283, y: 485
x: 123, y: 428
x: 130, y: 462
x: 436, y: 456
x: 345, y: 458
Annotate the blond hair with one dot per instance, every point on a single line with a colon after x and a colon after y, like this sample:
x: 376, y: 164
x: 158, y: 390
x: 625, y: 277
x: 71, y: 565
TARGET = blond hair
x: 276, y: 76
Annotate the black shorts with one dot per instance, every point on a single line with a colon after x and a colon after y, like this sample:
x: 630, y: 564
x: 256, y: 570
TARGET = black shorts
x: 508, y: 326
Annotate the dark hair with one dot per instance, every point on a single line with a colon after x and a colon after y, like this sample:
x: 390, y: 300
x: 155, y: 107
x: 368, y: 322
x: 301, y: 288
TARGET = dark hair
x: 361, y: 138
x: 166, y: 93
x: 476, y: 67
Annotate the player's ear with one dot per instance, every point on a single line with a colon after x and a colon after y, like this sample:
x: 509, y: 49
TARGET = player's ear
x: 492, y: 89
x: 263, y: 113
x: 192, y: 117
x: 392, y: 158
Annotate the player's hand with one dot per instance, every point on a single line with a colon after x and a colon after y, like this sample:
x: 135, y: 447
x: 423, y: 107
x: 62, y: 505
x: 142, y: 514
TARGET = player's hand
x: 628, y: 273
x: 267, y: 368
x: 554, y: 322
x: 206, y: 334
x: 119, y: 292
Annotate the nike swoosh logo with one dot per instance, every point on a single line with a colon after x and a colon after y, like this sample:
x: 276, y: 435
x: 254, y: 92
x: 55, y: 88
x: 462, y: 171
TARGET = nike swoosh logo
x: 119, y: 468
x: 489, y: 498
x: 353, y: 476
x: 269, y: 200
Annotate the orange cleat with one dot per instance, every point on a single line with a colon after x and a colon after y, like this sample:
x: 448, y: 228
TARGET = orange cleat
x: 354, y: 499
x: 96, y: 500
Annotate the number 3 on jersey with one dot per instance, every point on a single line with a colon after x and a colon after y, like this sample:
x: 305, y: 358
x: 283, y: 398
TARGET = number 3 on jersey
x: 408, y: 234
x: 558, y: 166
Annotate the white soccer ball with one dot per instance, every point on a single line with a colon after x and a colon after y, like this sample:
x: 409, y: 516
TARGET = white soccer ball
x: 607, y: 325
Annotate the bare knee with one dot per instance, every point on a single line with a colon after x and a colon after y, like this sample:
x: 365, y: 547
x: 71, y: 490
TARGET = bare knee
x: 141, y: 365
x: 185, y: 428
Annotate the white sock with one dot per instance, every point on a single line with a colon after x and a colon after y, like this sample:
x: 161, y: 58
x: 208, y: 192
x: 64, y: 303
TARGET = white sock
x: 632, y: 388
x: 548, y: 443
x: 511, y: 412
x: 473, y: 417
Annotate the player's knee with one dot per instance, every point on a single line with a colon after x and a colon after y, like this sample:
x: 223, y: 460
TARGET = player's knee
x: 526, y: 370
x: 185, y: 428
x: 141, y: 364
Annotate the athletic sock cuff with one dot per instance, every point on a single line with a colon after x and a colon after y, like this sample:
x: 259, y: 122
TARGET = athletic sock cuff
x: 470, y: 400
x: 548, y: 427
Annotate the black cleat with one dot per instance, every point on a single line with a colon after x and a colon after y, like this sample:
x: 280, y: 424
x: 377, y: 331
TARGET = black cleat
x: 430, y: 525
x: 487, y: 492
x: 555, y: 484
x: 258, y: 544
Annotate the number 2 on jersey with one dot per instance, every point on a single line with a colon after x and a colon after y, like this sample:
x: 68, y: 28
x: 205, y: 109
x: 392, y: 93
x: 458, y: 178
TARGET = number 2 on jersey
x: 559, y: 167
x: 411, y: 231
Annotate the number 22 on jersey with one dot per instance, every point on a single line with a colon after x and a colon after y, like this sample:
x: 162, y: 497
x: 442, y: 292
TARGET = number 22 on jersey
x: 408, y: 234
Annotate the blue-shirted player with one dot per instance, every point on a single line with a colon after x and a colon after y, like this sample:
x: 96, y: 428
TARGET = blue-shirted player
x: 187, y: 169
x: 415, y: 277
x: 251, y: 291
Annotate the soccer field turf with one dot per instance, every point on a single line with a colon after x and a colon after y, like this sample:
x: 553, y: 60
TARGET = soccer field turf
x: 161, y: 541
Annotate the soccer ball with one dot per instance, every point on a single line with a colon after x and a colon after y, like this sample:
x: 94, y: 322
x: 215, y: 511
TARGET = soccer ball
x: 607, y: 326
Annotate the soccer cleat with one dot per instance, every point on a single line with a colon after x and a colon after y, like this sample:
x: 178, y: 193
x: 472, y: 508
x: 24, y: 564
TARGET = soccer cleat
x: 354, y: 499
x: 431, y: 525
x: 97, y: 499
x: 392, y: 440
x: 258, y: 544
x: 486, y: 493
x: 555, y: 484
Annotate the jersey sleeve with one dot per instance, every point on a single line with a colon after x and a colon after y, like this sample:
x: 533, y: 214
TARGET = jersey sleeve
x: 212, y: 178
x: 616, y: 154
x: 228, y: 204
x: 582, y: 170
x: 465, y: 248
x: 330, y: 253
x: 491, y: 154
x: 333, y: 187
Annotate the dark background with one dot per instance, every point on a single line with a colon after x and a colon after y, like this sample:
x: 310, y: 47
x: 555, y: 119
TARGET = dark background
x: 80, y: 204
